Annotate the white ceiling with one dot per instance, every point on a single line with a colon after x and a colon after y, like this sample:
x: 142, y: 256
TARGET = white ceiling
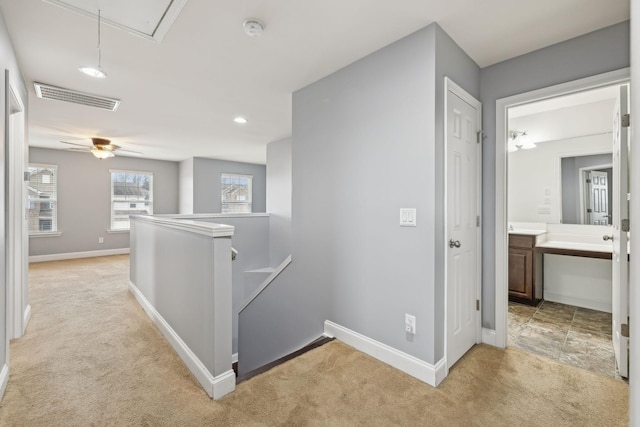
x: 563, y: 117
x: 179, y: 96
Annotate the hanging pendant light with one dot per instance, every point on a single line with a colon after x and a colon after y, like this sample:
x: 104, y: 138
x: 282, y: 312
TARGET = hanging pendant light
x: 93, y: 71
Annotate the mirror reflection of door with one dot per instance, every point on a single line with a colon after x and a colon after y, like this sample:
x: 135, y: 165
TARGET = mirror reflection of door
x: 597, y: 198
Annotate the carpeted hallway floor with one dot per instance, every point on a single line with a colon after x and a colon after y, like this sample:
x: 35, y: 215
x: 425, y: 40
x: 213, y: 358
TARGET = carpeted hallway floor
x: 91, y: 357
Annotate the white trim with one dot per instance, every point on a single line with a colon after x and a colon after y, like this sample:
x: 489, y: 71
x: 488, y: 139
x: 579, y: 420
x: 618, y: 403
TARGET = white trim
x: 26, y: 318
x: 234, y: 358
x: 489, y: 336
x: 4, y: 379
x: 266, y: 283
x: 121, y: 231
x: 215, y: 386
x: 214, y: 215
x: 501, y: 246
x: 208, y: 229
x: 430, y: 374
x: 46, y: 234
x: 451, y: 86
x: 76, y: 255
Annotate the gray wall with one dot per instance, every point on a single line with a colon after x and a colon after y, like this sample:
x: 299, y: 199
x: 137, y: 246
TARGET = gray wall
x: 8, y: 61
x: 594, y: 53
x: 279, y: 200
x: 84, y: 199
x: 185, y: 173
x: 367, y: 141
x: 570, y: 169
x: 207, y: 187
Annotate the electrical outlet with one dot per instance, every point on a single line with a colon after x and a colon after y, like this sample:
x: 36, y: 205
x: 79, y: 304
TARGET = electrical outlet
x: 410, y: 323
x: 100, y: 239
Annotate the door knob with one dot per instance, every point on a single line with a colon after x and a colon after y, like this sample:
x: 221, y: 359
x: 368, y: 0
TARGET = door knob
x: 454, y: 243
x: 605, y: 238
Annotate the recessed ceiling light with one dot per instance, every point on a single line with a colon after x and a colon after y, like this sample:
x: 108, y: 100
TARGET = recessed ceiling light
x: 240, y: 120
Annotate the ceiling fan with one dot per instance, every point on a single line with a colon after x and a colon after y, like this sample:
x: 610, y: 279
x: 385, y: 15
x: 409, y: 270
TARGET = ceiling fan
x: 102, y: 148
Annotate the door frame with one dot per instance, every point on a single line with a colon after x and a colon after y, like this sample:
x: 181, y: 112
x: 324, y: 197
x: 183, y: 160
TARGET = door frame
x: 451, y: 86
x: 17, y: 239
x: 621, y: 76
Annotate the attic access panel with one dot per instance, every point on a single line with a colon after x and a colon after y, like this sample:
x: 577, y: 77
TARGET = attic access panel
x: 149, y: 19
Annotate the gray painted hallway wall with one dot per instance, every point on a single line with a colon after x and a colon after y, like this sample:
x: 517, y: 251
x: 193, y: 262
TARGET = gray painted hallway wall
x: 367, y: 141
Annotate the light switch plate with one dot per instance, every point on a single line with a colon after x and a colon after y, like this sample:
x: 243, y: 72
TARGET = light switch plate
x: 407, y: 217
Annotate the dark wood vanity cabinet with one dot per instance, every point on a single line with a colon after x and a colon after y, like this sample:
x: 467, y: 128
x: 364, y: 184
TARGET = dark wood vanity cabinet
x: 522, y: 274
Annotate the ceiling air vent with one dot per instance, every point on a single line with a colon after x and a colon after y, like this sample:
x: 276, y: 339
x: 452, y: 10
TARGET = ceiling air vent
x: 60, y: 94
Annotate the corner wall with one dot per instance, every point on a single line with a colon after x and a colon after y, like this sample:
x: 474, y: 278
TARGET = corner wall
x: 367, y: 141
x: 279, y: 200
x: 594, y: 53
x: 84, y: 199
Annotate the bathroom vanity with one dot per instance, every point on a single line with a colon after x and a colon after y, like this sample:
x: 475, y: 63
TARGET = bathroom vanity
x: 570, y: 264
x: 525, y: 273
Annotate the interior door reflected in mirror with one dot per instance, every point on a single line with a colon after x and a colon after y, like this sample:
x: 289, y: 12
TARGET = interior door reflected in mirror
x: 586, y: 191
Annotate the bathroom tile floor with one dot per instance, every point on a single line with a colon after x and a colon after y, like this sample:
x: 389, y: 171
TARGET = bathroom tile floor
x: 574, y: 335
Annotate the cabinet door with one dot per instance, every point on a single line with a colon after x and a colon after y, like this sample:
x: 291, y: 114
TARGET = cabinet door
x: 521, y: 273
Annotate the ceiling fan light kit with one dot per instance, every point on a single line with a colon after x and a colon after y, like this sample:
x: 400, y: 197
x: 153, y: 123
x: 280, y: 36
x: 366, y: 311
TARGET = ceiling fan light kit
x: 102, y: 153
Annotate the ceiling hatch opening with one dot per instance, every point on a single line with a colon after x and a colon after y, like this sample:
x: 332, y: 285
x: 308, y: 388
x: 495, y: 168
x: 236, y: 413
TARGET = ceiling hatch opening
x: 45, y: 91
x: 147, y: 19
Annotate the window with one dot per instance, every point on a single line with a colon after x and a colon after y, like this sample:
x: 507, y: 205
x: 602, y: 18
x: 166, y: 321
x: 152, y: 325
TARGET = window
x: 131, y: 194
x: 43, y: 198
x: 236, y: 193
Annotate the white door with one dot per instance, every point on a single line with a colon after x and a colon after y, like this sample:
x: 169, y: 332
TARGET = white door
x: 620, y: 262
x: 598, y: 198
x: 462, y: 209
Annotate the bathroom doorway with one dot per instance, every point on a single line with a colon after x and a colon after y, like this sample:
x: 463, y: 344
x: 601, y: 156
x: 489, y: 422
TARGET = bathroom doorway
x: 558, y: 303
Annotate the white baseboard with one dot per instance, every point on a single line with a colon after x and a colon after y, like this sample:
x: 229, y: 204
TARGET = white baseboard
x: 26, y: 318
x: 4, y: 379
x: 578, y: 302
x: 489, y: 336
x: 216, y: 387
x: 430, y: 374
x: 75, y: 255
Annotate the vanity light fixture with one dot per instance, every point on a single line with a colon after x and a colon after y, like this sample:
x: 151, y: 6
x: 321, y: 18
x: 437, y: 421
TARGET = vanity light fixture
x: 96, y: 72
x: 519, y: 140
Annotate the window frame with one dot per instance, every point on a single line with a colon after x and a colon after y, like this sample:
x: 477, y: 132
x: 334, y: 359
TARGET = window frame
x: 112, y: 210
x: 54, y: 231
x: 249, y: 202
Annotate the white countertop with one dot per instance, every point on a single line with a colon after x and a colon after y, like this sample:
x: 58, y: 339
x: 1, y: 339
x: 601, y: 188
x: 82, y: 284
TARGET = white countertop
x: 527, y: 232
x: 578, y: 246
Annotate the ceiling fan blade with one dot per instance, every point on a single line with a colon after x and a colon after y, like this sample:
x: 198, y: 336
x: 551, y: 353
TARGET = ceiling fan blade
x: 128, y: 152
x: 73, y: 143
x: 82, y: 150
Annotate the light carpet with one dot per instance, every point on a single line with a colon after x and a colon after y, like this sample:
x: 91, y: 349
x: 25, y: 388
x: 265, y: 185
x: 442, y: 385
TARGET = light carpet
x: 91, y: 357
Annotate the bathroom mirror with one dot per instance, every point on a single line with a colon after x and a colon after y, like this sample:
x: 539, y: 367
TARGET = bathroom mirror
x: 559, y: 164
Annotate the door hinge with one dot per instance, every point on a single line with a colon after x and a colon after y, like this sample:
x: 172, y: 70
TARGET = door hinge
x: 624, y: 330
x: 588, y: 181
x: 479, y: 136
x: 478, y: 221
x: 624, y: 225
x: 26, y: 176
x: 477, y: 305
x: 626, y: 120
